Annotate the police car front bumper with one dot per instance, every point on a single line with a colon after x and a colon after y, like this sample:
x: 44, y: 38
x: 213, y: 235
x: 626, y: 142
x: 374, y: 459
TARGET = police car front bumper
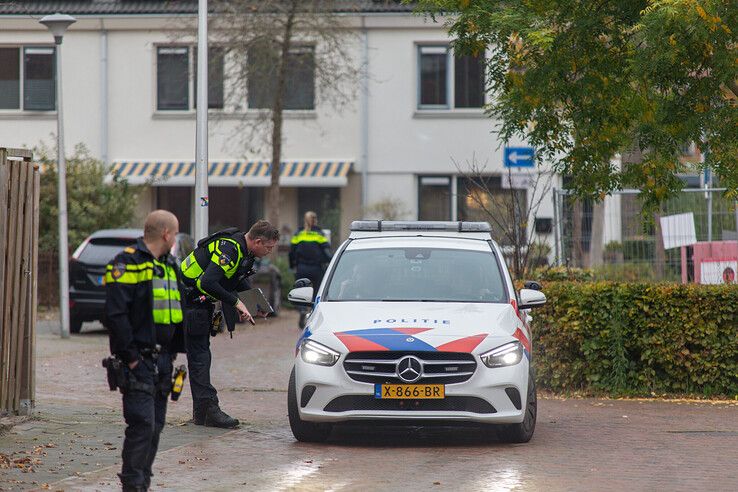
x: 484, y: 397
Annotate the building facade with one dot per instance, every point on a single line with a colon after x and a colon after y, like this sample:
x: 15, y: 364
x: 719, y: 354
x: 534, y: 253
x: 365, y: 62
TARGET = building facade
x: 403, y: 148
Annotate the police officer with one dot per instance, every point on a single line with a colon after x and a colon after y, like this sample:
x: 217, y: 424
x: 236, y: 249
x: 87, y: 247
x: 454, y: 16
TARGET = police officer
x: 143, y: 312
x: 310, y: 251
x: 215, y: 271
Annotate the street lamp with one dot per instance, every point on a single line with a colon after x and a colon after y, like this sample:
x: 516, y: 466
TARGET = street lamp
x: 58, y: 24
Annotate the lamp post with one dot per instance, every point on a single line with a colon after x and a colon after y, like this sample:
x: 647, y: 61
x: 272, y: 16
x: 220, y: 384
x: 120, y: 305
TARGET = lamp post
x: 57, y: 25
x: 201, y: 132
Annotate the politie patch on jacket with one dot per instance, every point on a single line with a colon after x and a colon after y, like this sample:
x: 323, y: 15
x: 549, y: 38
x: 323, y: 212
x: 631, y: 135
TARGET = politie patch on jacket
x: 118, y: 270
x: 224, y: 259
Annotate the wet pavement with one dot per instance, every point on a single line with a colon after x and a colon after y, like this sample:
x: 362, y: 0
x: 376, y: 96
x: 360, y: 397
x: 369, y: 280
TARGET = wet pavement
x: 73, y: 440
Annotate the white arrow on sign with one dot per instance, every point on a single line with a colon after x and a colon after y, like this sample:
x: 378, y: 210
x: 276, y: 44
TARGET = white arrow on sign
x: 514, y: 157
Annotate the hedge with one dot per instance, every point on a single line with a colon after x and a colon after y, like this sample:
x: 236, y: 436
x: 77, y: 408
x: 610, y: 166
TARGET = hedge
x: 621, y: 338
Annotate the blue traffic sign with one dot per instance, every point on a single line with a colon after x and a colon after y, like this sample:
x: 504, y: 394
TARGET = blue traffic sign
x: 519, y: 157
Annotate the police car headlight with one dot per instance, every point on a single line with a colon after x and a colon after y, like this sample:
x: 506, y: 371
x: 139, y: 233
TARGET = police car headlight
x: 316, y: 353
x: 506, y: 355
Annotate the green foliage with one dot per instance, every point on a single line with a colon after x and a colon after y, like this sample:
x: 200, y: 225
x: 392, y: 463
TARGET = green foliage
x: 638, y: 338
x: 91, y: 203
x: 559, y: 273
x: 584, y: 81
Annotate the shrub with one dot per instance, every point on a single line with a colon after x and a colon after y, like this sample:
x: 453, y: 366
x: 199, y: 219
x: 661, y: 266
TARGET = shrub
x: 638, y: 338
x: 559, y: 273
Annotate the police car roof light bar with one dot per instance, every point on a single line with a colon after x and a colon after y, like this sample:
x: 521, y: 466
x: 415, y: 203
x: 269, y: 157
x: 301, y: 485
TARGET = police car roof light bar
x: 420, y: 225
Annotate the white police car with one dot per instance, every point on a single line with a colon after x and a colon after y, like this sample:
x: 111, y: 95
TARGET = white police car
x: 415, y: 322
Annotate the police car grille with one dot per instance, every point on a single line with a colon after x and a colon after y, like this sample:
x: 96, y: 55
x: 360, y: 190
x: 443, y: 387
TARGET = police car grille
x: 438, y: 367
x: 471, y: 404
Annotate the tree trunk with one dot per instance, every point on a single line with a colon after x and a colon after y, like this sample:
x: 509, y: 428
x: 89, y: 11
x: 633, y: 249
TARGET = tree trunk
x: 277, y: 120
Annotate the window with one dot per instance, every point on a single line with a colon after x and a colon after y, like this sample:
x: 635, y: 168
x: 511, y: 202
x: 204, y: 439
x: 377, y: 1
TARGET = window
x: 299, y: 83
x: 31, y: 79
x: 173, y: 77
x: 434, y: 198
x: 436, y: 86
x: 492, y: 203
x: 406, y: 274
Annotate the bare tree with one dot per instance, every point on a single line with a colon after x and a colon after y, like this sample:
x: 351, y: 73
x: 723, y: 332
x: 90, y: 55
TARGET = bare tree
x: 282, y: 55
x: 509, y: 210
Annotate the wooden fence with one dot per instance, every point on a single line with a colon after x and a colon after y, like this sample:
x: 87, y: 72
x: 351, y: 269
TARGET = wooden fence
x: 19, y: 215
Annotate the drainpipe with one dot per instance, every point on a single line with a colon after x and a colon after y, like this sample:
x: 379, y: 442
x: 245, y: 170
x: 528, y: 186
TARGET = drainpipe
x: 364, y: 116
x: 104, y: 94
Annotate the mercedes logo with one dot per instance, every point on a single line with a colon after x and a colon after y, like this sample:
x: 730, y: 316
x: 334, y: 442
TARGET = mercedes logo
x: 409, y: 369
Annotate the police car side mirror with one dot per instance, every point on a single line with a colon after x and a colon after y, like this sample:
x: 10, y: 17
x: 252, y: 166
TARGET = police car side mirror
x: 530, y: 298
x: 301, y: 296
x: 302, y: 282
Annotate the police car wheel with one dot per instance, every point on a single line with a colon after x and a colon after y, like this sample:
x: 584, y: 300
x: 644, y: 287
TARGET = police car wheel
x: 522, y: 432
x: 302, y: 430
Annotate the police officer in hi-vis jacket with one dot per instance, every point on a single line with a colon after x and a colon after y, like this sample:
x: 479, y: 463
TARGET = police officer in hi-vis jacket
x: 144, y: 315
x: 216, y: 271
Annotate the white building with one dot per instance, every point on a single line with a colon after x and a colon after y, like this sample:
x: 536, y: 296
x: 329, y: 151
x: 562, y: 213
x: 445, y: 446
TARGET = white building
x: 129, y: 92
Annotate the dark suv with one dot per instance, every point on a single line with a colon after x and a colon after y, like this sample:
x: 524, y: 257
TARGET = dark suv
x: 87, y: 268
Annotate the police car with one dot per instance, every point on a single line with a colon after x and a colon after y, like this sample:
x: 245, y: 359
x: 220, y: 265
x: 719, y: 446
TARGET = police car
x: 416, y: 322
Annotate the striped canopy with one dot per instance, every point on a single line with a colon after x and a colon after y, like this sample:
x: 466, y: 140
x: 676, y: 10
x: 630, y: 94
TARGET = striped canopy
x: 234, y: 173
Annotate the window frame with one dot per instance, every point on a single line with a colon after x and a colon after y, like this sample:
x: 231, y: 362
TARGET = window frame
x: 450, y: 105
x: 191, y: 78
x: 22, y: 76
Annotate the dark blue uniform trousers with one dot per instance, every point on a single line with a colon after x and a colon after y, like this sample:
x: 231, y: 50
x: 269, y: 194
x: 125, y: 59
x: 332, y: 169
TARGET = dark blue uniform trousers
x: 312, y: 272
x: 145, y: 415
x: 199, y: 358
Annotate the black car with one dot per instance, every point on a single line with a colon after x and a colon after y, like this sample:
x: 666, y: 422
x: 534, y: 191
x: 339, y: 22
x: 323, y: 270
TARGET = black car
x: 87, y: 268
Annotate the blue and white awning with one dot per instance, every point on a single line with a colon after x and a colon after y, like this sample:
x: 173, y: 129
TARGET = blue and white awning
x: 329, y: 173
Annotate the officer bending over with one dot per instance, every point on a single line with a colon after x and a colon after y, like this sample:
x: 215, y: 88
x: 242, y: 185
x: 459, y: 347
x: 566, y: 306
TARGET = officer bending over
x: 143, y: 311
x: 215, y: 271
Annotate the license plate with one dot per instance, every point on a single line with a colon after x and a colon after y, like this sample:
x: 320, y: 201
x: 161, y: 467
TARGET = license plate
x: 409, y: 391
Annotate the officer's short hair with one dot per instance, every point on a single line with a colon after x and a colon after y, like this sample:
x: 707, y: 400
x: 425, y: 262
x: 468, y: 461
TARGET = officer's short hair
x: 264, y: 230
x: 157, y: 221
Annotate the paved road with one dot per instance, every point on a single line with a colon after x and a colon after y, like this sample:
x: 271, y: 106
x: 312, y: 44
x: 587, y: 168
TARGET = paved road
x: 580, y: 444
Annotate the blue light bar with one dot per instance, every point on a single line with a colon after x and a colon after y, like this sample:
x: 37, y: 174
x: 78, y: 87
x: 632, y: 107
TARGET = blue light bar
x: 419, y: 225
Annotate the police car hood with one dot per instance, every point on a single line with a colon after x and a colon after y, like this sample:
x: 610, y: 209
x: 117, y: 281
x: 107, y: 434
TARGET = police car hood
x: 411, y: 326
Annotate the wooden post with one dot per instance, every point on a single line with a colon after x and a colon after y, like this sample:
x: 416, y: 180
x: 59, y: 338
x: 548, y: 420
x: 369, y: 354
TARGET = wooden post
x: 4, y: 332
x: 19, y: 197
x: 26, y: 201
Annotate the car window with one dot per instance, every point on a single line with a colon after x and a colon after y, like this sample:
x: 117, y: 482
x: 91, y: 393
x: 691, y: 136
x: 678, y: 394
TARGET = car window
x: 99, y: 251
x: 416, y: 274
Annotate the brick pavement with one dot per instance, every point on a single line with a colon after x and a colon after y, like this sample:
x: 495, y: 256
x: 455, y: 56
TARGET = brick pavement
x: 580, y: 444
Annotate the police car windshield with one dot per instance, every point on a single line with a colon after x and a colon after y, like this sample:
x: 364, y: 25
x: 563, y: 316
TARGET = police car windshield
x: 416, y: 275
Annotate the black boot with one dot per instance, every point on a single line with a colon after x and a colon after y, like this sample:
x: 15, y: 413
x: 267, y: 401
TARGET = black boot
x: 198, y: 414
x: 215, y: 417
x: 134, y: 488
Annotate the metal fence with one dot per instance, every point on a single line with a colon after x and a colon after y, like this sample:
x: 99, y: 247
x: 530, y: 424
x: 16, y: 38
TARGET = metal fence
x: 19, y: 215
x: 621, y: 242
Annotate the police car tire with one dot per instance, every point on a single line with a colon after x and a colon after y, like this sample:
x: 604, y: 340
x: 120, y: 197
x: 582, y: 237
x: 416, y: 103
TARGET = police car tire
x: 522, y: 432
x: 302, y: 430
